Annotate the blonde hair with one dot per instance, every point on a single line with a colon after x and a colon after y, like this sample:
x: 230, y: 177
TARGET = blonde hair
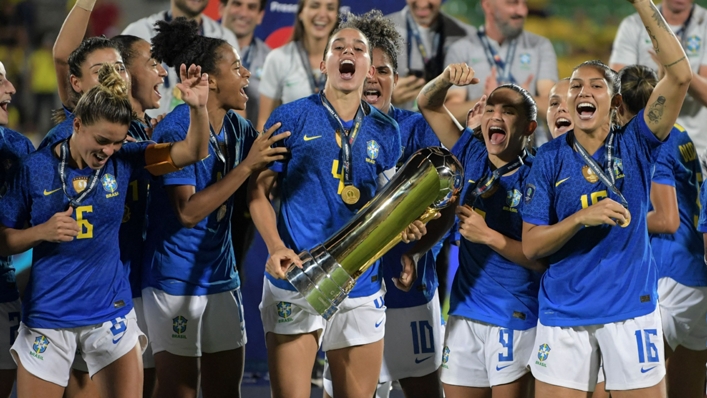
x: 109, y: 100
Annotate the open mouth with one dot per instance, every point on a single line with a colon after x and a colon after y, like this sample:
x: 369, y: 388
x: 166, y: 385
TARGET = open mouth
x: 156, y: 89
x: 4, y: 104
x: 242, y: 91
x: 563, y: 124
x: 496, y: 135
x: 585, y: 110
x: 101, y: 157
x: 372, y: 95
x: 347, y: 68
x: 320, y: 24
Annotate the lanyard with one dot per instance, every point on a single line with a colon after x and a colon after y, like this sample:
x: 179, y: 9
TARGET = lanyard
x: 347, y: 139
x: 76, y: 201
x: 224, y: 158
x: 683, y: 29
x: 137, y: 130
x: 413, y: 29
x: 494, y: 59
x: 316, y: 84
x: 247, y: 57
x: 608, y: 181
x: 490, y: 182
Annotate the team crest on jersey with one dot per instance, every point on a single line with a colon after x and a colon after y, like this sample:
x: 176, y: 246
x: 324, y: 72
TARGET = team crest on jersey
x: 79, y: 183
x: 445, y: 357
x: 529, y: 193
x: 513, y: 198
x: 525, y: 59
x: 693, y: 44
x: 284, y: 311
x: 109, y: 183
x: 372, y: 150
x: 39, y: 346
x: 618, y: 168
x: 543, y: 353
x: 179, y: 325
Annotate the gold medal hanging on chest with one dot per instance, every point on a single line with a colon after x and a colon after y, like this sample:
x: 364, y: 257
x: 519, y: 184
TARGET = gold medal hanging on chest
x: 628, y: 220
x: 490, y: 192
x: 221, y: 213
x: 589, y: 175
x: 350, y: 195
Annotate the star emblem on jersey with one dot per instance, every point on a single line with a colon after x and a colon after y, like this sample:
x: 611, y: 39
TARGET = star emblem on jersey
x: 693, y: 44
x: 179, y: 325
x: 40, y: 345
x: 513, y: 198
x: 525, y: 59
x: 543, y: 352
x: 79, y: 183
x: 372, y: 149
x: 109, y: 183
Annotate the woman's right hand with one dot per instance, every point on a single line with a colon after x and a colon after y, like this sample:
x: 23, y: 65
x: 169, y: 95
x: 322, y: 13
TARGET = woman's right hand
x: 60, y: 227
x: 262, y: 153
x: 473, y: 118
x: 459, y: 74
x: 606, y: 211
x: 280, y: 261
x: 194, y: 86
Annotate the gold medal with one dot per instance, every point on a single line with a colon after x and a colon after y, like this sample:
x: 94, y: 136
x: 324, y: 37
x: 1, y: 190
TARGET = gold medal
x: 628, y: 220
x: 221, y: 213
x: 350, y: 195
x: 589, y: 174
x: 490, y: 192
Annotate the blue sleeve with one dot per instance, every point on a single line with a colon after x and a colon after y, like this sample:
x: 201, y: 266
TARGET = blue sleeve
x: 281, y: 115
x: 133, y: 154
x: 644, y: 141
x: 539, y: 191
x: 702, y: 222
x: 15, y: 204
x: 391, y: 148
x: 174, y: 128
x: 245, y: 135
x: 664, y: 163
x: 468, y: 149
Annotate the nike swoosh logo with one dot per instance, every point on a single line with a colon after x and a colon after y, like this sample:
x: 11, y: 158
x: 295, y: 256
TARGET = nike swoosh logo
x: 380, y: 322
x: 557, y: 184
x: 422, y: 360
x: 47, y: 193
x: 498, y: 368
x: 115, y: 341
x: 312, y: 138
x: 647, y: 370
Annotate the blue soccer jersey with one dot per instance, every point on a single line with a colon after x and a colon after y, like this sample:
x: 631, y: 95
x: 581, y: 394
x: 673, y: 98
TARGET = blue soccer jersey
x: 310, y: 183
x: 679, y: 255
x: 59, y: 132
x: 194, y: 261
x: 488, y: 287
x: 13, y: 146
x: 602, y: 274
x: 82, y: 282
x: 132, y: 230
x: 415, y: 134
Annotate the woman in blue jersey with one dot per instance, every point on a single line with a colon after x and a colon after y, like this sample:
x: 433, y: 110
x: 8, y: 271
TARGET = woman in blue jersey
x: 311, y: 183
x: 13, y: 146
x: 192, y: 293
x: 586, y: 201
x: 675, y: 242
x: 493, y: 303
x: 71, y: 197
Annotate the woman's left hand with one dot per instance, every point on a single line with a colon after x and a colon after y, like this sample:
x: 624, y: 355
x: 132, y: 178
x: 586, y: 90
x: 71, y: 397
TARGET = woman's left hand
x: 194, y: 86
x: 472, y: 226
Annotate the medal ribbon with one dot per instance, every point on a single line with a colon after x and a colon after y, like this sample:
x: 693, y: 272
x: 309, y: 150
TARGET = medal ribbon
x: 75, y: 202
x: 504, y: 68
x: 490, y: 181
x: 413, y: 29
x: 213, y: 141
x: 608, y: 181
x: 347, y: 139
x: 315, y: 84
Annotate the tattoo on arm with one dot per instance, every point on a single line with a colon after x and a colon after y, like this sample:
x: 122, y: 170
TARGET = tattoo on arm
x: 655, y: 113
x: 435, y: 94
x: 654, y: 40
x: 659, y: 19
x: 674, y: 63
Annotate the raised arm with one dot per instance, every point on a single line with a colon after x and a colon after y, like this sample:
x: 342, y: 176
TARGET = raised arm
x: 667, y: 98
x: 70, y: 36
x: 431, y: 101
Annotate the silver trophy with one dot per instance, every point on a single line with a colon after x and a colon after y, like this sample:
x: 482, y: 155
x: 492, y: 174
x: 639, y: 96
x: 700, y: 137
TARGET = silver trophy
x: 429, y: 181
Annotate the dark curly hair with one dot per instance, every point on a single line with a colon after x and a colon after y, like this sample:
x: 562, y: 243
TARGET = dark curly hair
x: 379, y: 30
x: 178, y: 42
x: 125, y: 46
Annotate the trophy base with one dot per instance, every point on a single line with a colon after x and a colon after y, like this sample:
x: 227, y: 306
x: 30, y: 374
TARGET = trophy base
x: 321, y: 281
